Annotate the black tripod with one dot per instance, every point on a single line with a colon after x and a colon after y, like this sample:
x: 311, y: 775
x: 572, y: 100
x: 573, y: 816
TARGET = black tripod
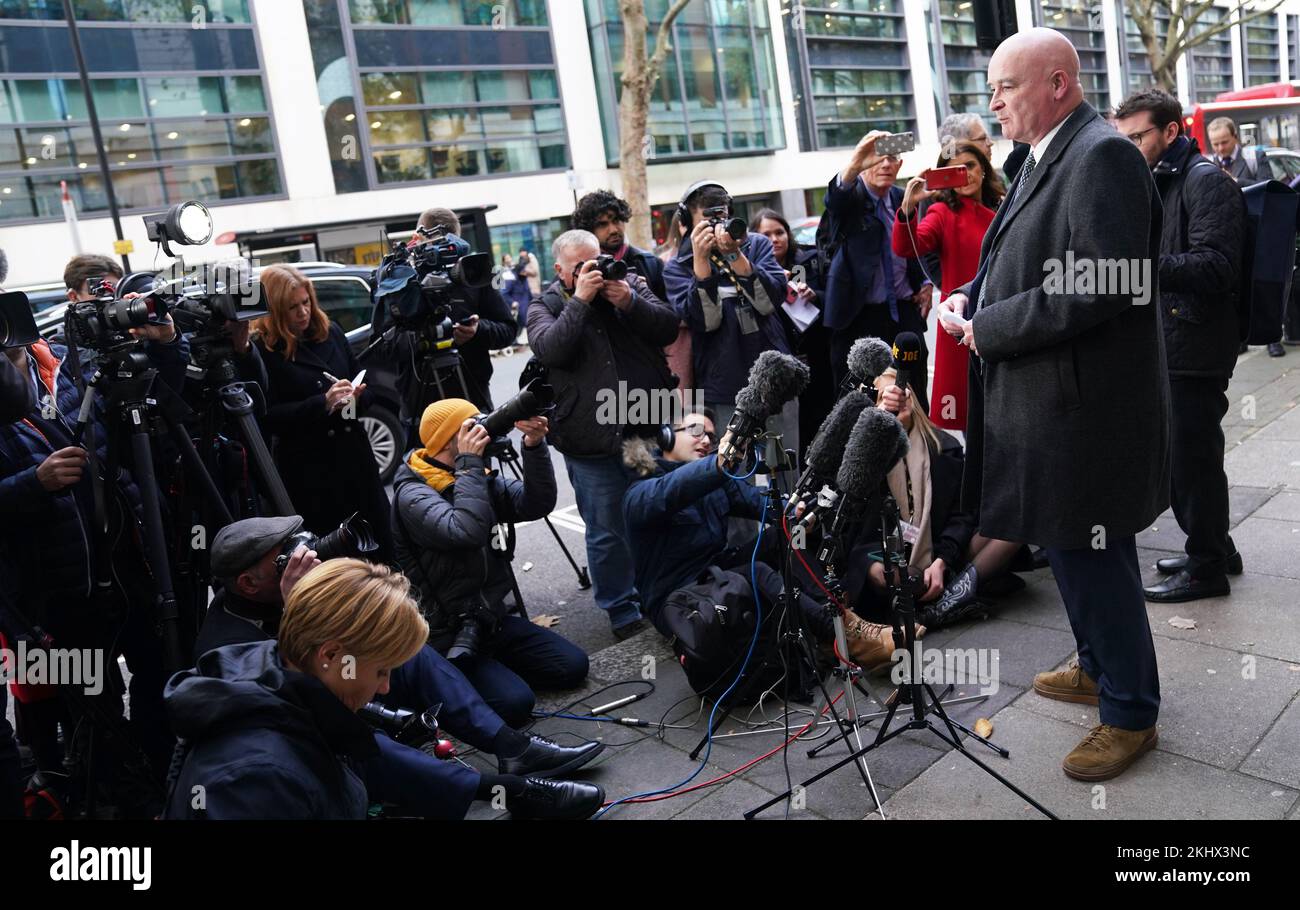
x: 795, y: 641
x: 912, y: 692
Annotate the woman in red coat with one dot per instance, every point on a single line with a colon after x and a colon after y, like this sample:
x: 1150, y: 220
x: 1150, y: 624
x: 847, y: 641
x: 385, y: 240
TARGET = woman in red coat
x: 954, y: 227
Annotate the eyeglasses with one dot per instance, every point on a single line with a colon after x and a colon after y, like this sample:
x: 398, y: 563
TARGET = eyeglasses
x: 1136, y: 138
x: 696, y: 430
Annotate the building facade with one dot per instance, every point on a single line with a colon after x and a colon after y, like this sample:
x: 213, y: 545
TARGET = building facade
x: 347, y: 114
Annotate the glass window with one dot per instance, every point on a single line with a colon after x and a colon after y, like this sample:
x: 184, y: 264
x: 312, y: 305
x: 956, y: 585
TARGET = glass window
x: 448, y: 88
x: 402, y: 165
x: 346, y: 300
x: 502, y: 86
x: 397, y: 128
x: 449, y: 124
x: 188, y: 96
x: 382, y: 89
x: 457, y: 161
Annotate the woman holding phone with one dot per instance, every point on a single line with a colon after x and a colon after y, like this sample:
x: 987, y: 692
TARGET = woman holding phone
x: 954, y: 228
x: 312, y: 408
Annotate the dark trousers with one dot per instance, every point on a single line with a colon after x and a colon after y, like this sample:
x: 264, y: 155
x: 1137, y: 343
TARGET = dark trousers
x: 1199, y: 487
x: 874, y: 321
x: 429, y: 679
x: 1102, y: 590
x: 418, y: 783
x: 521, y: 657
x: 11, y: 780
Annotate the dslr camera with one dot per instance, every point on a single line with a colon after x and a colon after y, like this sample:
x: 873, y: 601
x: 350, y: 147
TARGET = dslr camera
x: 720, y: 215
x: 611, y: 269
x: 352, y: 538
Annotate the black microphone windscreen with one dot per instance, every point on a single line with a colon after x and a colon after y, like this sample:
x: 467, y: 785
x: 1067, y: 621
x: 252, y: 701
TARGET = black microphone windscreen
x: 868, y: 358
x: 777, y: 378
x: 826, y: 451
x: 876, y: 444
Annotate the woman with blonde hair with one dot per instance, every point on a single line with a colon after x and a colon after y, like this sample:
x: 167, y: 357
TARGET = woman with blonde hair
x: 269, y: 729
x: 313, y: 410
x: 953, y: 559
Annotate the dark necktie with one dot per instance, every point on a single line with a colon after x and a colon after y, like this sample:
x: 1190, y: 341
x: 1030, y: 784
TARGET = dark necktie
x: 1225, y: 163
x: 1021, y: 180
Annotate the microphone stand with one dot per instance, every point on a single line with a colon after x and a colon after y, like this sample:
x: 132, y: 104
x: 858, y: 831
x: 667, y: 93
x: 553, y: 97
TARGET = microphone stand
x: 912, y: 691
x: 796, y: 641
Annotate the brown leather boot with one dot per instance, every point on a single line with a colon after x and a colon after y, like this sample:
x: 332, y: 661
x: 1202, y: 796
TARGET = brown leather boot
x: 1107, y: 751
x: 871, y: 645
x: 1070, y: 684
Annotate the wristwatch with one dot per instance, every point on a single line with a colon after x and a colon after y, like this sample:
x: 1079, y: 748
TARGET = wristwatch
x: 732, y: 257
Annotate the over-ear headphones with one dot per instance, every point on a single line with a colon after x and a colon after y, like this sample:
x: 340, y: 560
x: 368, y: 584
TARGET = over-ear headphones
x: 684, y: 211
x: 663, y: 435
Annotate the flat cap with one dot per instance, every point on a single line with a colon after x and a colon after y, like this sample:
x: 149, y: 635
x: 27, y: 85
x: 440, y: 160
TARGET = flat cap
x: 237, y: 546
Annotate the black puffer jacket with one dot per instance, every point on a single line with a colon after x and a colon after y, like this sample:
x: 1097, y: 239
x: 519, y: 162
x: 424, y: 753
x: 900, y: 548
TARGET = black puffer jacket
x: 446, y: 543
x: 588, y: 349
x: 1201, y: 250
x: 259, y: 740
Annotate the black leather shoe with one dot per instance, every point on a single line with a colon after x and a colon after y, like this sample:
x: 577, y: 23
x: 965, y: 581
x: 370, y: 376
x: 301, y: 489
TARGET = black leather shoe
x: 1182, y: 587
x: 1172, y: 565
x: 556, y: 800
x: 956, y: 603
x: 1276, y: 350
x: 543, y: 758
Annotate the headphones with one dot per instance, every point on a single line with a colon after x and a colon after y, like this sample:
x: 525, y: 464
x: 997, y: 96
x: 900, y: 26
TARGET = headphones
x: 684, y: 211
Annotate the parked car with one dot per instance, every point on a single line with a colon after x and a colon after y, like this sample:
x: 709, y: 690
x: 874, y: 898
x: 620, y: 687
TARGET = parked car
x: 344, y: 294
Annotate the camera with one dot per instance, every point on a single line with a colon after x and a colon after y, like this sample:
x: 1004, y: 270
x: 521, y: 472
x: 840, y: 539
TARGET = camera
x: 352, y: 538
x: 720, y: 215
x: 611, y: 269
x: 536, y: 396
x: 17, y: 325
x: 104, y: 323
x: 418, y: 286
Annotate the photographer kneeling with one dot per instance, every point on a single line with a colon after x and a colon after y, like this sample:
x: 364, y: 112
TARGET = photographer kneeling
x: 448, y: 510
x: 258, y: 576
x: 677, y: 516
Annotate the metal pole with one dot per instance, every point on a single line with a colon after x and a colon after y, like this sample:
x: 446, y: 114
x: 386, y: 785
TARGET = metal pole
x: 75, y: 37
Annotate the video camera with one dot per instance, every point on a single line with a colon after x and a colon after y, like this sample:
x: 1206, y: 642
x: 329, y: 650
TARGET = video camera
x: 17, y: 325
x: 419, y: 285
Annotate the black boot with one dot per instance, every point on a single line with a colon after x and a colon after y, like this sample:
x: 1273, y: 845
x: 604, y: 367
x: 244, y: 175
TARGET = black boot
x: 556, y: 799
x: 955, y: 604
x: 543, y: 758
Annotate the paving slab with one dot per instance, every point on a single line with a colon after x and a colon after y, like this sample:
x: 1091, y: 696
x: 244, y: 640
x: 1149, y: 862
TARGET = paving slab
x: 1284, y: 506
x: 1269, y: 546
x: 1261, y: 616
x: 1160, y: 785
x: 1264, y: 463
x: 1277, y: 757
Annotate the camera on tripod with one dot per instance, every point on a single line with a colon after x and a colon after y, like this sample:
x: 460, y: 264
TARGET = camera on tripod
x: 720, y: 215
x: 104, y: 323
x: 424, y: 282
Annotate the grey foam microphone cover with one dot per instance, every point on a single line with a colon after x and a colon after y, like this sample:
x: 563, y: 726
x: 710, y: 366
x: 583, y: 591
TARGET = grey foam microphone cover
x: 869, y: 358
x: 826, y: 451
x: 876, y: 444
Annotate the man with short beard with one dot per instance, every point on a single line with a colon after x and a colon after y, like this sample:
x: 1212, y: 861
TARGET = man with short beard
x: 606, y: 216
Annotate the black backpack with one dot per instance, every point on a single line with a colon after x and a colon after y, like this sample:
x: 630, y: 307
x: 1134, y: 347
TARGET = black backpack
x: 710, y: 625
x: 1270, y: 243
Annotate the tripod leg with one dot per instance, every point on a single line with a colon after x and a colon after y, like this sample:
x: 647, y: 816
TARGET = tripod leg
x: 261, y: 458
x: 995, y: 775
x: 584, y: 577
x: 156, y: 541
x: 199, y: 470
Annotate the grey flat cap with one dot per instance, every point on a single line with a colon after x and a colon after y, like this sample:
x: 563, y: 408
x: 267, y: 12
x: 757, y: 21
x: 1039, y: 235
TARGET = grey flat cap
x: 237, y: 546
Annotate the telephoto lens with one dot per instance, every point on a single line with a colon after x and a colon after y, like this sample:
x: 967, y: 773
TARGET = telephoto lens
x: 352, y: 538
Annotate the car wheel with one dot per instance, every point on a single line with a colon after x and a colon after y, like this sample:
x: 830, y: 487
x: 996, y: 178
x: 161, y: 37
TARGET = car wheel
x: 384, y: 431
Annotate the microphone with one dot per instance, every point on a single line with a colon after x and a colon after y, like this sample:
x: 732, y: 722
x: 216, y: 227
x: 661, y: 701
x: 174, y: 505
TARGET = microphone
x: 868, y: 358
x: 825, y: 453
x: 906, y: 357
x: 774, y: 379
x: 877, y: 443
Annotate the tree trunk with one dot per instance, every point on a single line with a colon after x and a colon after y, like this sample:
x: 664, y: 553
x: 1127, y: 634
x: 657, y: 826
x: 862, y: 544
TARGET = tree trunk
x: 633, y: 114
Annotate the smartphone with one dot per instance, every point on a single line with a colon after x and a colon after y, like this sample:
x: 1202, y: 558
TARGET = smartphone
x: 946, y: 178
x: 895, y: 144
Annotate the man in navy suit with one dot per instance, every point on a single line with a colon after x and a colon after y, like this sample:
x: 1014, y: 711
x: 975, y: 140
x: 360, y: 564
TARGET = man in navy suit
x: 869, y: 290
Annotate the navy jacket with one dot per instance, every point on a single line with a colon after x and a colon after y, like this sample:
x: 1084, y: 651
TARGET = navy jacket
x: 676, y: 523
x: 860, y: 235
x: 49, y: 534
x: 262, y: 741
x: 721, y: 353
x: 648, y: 266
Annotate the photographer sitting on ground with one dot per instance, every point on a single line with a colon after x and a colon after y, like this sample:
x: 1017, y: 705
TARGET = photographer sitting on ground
x: 249, y: 608
x: 957, y: 562
x: 677, y: 524
x: 450, y: 514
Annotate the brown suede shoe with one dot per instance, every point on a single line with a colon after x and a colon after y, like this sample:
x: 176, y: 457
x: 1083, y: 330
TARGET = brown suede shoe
x: 1107, y: 751
x: 1070, y: 684
x: 871, y: 645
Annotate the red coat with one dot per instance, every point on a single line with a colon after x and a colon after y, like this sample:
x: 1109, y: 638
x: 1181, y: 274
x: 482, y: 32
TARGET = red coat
x: 956, y: 237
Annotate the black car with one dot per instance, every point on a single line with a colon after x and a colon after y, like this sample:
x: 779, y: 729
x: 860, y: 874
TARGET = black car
x: 343, y: 292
